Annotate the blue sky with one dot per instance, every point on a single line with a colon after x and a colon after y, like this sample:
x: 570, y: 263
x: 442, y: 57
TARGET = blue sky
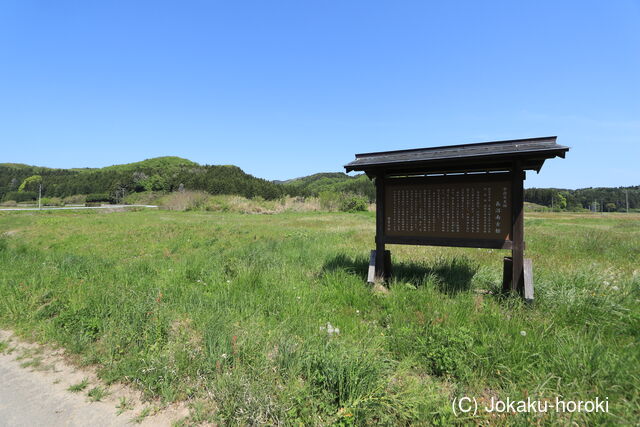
x: 285, y: 89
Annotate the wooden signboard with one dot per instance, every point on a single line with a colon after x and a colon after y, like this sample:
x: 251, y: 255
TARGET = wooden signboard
x: 468, y: 195
x: 458, y: 210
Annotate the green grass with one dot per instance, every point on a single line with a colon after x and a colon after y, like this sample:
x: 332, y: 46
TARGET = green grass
x: 230, y: 312
x: 75, y: 388
x: 123, y: 405
x: 142, y: 415
x: 32, y: 358
x: 35, y: 363
x: 96, y: 394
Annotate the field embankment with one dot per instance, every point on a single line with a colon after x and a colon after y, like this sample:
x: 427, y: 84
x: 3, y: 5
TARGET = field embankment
x: 267, y: 319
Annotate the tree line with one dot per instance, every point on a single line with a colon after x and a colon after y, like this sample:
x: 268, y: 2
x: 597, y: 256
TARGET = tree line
x: 22, y: 183
x: 607, y: 199
x: 116, y: 181
x: 601, y: 199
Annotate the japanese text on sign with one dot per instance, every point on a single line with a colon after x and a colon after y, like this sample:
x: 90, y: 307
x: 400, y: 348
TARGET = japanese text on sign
x: 472, y: 209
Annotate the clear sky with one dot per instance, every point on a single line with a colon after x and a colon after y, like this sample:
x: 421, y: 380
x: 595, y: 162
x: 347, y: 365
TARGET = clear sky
x: 289, y: 88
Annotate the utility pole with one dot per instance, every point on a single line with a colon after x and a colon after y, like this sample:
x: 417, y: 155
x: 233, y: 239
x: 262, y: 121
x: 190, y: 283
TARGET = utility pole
x: 40, y: 197
x: 626, y: 192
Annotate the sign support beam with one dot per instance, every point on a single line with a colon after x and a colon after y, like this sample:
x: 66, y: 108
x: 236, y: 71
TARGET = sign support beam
x: 517, y: 234
x: 381, y: 273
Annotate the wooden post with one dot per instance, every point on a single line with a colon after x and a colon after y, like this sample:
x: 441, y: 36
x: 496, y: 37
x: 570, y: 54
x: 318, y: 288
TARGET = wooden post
x: 381, y: 274
x: 507, y: 274
x: 517, y: 233
x: 371, y: 273
x: 528, y: 281
x: 387, y: 265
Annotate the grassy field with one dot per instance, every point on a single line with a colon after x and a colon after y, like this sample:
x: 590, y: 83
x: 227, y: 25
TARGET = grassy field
x: 267, y: 319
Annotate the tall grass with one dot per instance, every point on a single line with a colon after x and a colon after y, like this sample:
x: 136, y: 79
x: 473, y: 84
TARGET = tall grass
x: 202, y: 201
x: 231, y: 312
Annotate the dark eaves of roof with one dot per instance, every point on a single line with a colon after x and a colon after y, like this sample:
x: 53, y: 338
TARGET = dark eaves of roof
x: 485, y: 153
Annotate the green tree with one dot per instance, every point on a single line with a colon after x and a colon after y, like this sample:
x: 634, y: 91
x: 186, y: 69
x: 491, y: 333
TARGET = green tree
x: 559, y: 201
x: 154, y: 183
x: 31, y: 183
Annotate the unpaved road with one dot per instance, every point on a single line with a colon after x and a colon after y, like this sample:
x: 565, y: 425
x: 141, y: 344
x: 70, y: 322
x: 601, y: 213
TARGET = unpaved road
x: 27, y: 400
x: 34, y: 383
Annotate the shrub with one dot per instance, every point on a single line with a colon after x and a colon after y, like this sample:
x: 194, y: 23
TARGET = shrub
x: 98, y: 197
x: 353, y: 203
x: 21, y: 196
x: 52, y: 201
x: 144, y: 198
x: 75, y: 199
x: 329, y: 200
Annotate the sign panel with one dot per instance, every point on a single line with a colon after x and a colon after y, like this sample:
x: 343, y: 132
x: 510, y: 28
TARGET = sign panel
x: 457, y: 207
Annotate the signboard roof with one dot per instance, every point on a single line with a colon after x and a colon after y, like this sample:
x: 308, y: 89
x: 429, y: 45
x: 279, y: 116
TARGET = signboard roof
x: 484, y: 156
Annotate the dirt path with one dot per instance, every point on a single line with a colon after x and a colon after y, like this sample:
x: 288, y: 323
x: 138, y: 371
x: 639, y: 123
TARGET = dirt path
x: 34, y: 383
x: 27, y: 400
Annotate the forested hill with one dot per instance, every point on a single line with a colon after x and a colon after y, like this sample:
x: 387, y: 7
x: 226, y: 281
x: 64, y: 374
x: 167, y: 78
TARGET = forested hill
x: 157, y: 174
x: 20, y: 182
x: 337, y: 182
